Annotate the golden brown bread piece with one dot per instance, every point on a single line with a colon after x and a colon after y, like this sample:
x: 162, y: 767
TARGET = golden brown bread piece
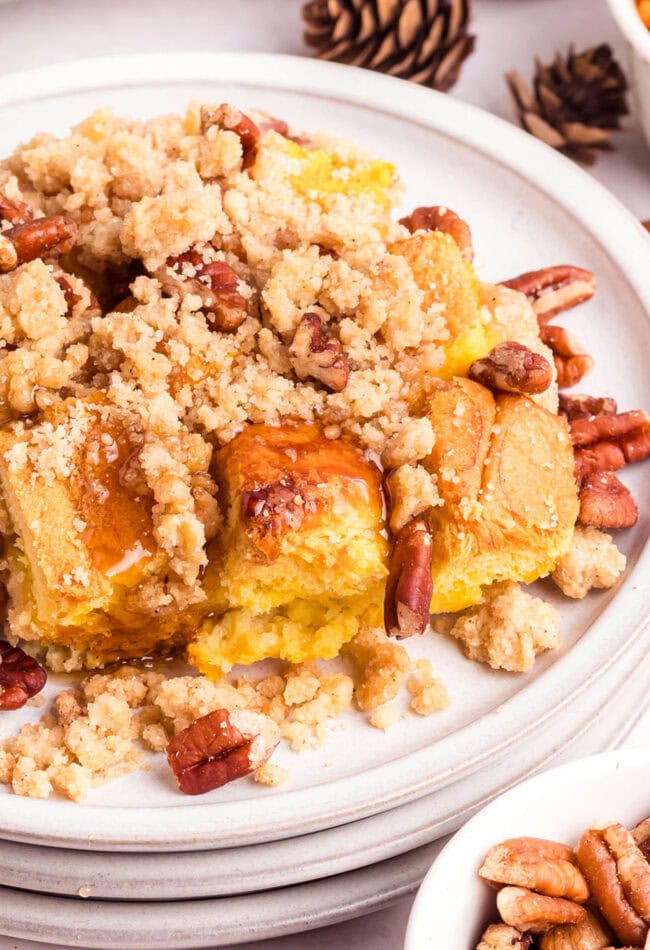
x: 85, y: 569
x: 303, y: 550
x: 505, y: 471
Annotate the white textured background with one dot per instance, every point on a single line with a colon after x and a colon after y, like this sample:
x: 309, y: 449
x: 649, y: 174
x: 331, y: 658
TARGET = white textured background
x: 510, y: 33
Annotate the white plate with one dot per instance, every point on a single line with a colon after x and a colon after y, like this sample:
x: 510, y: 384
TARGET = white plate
x: 608, y: 717
x: 211, y: 922
x: 528, y: 207
x: 559, y: 805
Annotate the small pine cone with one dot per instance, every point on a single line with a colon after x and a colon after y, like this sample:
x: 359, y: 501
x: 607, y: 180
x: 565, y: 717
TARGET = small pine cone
x: 413, y: 39
x: 577, y: 101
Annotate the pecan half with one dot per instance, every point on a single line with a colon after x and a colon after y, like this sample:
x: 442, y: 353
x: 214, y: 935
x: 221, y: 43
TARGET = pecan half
x: 21, y: 677
x: 409, y: 587
x: 42, y: 237
x: 554, y: 289
x: 215, y: 282
x: 588, y: 431
x: 232, y: 120
x: 14, y: 211
x: 536, y: 913
x: 503, y: 937
x: 513, y: 368
x: 588, y: 935
x: 316, y: 355
x: 605, y: 502
x: 439, y: 218
x: 571, y: 362
x: 599, y: 866
x: 539, y: 865
x: 218, y: 748
x: 584, y: 407
x: 641, y: 835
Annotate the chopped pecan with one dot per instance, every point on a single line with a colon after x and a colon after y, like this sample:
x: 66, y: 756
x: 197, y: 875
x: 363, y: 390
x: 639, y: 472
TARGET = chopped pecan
x: 215, y: 282
x: 8, y: 255
x: 218, y: 748
x: 536, y: 913
x: 571, y: 362
x: 588, y: 431
x: 584, y: 407
x: 42, y: 237
x: 599, y: 866
x: 636, y: 445
x: 513, y: 368
x: 588, y: 935
x: 439, y: 218
x: 409, y: 587
x: 539, y: 865
x: 232, y: 120
x: 554, y: 289
x: 316, y: 355
x: 601, y: 457
x: 21, y: 677
x: 606, y: 503
x: 503, y: 937
x: 14, y: 211
x: 266, y: 122
x: 275, y: 508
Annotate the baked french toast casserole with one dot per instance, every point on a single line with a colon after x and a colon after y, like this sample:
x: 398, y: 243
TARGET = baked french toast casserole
x: 246, y: 414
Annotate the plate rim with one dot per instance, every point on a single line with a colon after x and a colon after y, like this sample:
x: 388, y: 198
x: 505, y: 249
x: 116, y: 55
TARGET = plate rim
x: 580, y: 196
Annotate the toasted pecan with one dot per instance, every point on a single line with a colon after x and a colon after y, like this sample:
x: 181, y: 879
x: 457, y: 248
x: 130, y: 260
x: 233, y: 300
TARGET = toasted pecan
x: 409, y: 586
x: 554, y: 289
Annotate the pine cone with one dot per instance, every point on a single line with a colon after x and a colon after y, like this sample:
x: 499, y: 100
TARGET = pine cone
x: 422, y: 40
x: 577, y: 101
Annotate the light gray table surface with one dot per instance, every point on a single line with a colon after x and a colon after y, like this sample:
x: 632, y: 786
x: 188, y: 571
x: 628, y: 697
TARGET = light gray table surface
x: 510, y: 33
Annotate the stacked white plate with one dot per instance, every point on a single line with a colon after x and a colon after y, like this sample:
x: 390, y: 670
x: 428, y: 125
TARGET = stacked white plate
x: 354, y: 826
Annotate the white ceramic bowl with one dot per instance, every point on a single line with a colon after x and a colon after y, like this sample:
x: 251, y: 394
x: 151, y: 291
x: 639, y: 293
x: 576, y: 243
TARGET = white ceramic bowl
x: 637, y: 38
x: 453, y: 905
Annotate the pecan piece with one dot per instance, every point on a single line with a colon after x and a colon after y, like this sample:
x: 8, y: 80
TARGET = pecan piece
x: 602, y: 457
x: 589, y: 935
x: 588, y: 431
x: 584, y: 407
x: 599, y: 866
x: 316, y: 355
x: 439, y: 218
x: 605, y: 502
x: 539, y: 865
x: 641, y: 834
x: 571, y: 362
x: 215, y: 282
x: 42, y: 237
x: 503, y: 937
x: 554, y: 289
x: 536, y: 913
x: 513, y: 368
x: 218, y: 748
x: 409, y: 587
x: 14, y: 211
x: 229, y: 119
x: 21, y: 677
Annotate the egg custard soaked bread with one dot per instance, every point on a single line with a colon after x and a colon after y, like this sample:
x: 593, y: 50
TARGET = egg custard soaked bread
x: 229, y: 380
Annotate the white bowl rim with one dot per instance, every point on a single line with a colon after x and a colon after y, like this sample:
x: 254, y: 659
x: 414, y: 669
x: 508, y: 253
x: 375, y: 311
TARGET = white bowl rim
x: 631, y: 26
x: 592, y: 767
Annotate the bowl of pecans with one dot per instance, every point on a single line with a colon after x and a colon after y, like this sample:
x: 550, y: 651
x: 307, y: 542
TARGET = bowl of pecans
x: 558, y: 863
x: 633, y: 20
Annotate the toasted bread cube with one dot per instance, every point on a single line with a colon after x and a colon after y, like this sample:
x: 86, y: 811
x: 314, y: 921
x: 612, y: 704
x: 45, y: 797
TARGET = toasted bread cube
x: 450, y: 288
x: 302, y: 557
x: 82, y: 550
x: 505, y: 473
